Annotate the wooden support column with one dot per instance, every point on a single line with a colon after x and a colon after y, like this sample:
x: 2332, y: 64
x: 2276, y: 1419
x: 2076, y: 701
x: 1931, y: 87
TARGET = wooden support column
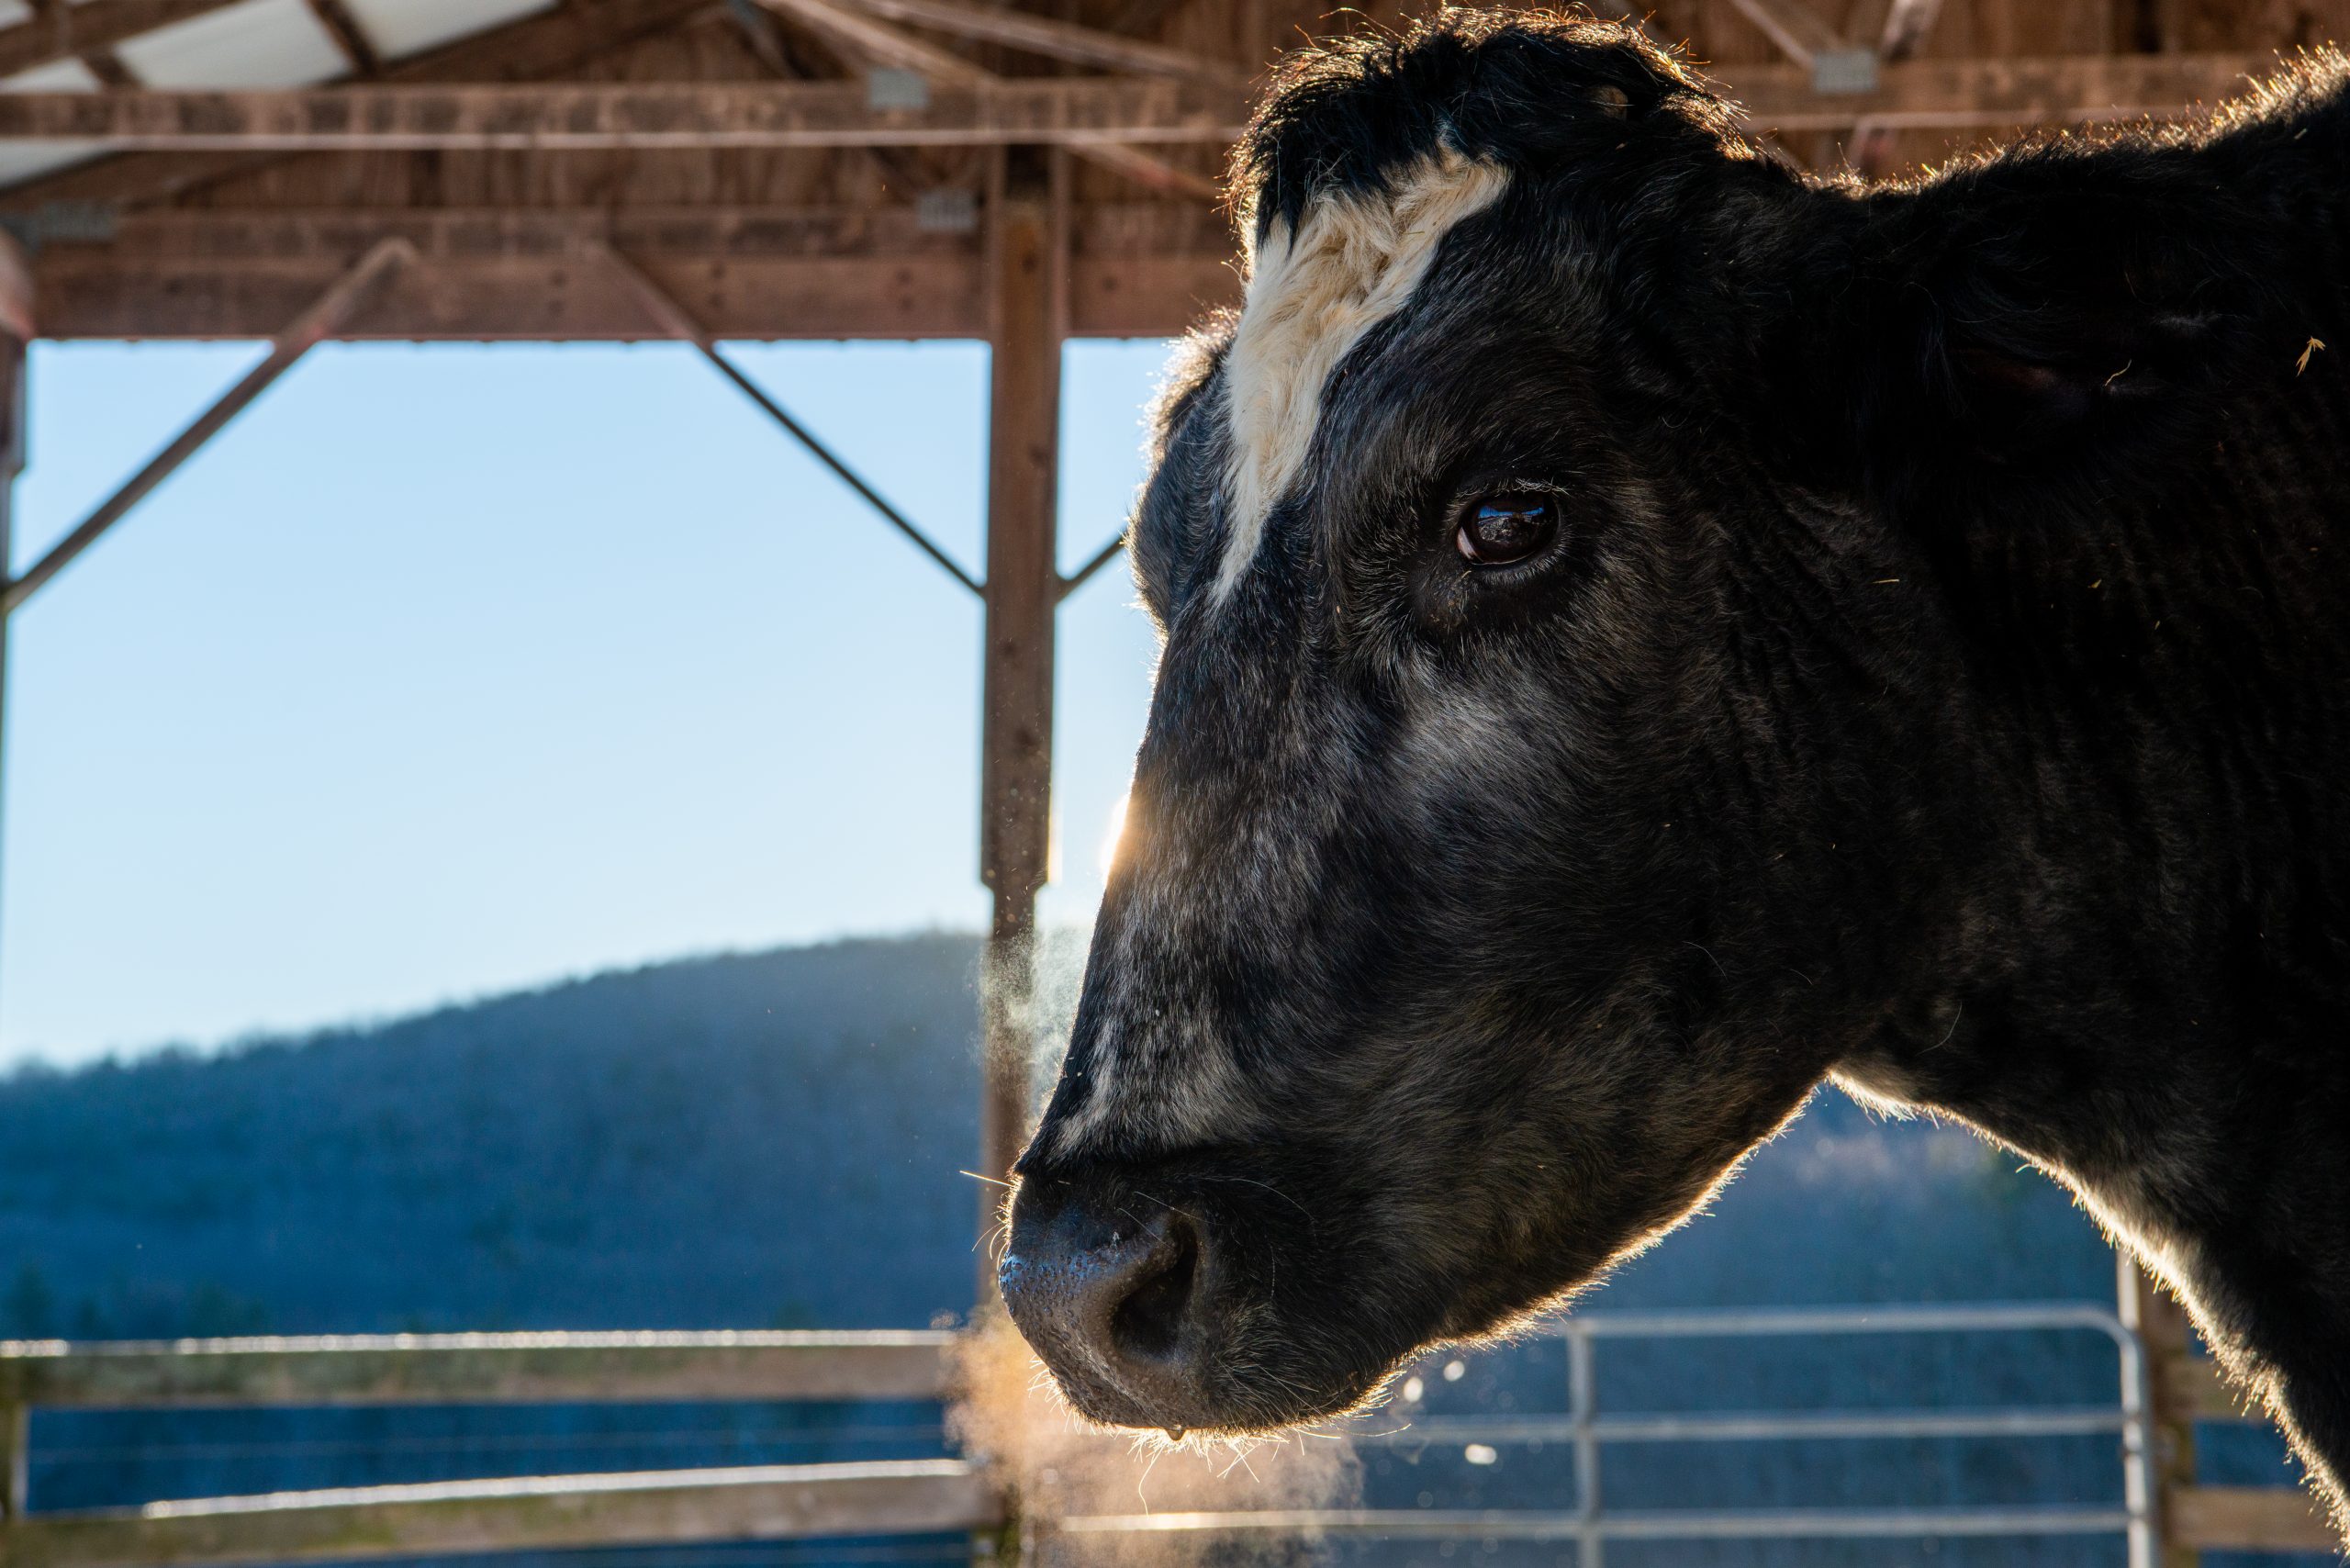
x: 16, y: 331
x: 16, y: 1438
x: 1025, y: 263
x: 2168, y: 1339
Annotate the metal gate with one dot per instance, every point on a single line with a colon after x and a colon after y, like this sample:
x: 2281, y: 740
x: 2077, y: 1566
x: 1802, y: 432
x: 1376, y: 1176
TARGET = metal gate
x: 1590, y: 1524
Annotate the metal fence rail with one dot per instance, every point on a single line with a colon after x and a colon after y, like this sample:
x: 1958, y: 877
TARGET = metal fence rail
x: 745, y: 1503
x: 1590, y: 1524
x: 900, y: 1497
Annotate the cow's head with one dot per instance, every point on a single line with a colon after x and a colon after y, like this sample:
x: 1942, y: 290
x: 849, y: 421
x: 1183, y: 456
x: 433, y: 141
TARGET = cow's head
x: 1530, y: 810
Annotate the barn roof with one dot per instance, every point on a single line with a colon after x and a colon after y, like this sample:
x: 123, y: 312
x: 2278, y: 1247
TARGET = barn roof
x: 794, y: 168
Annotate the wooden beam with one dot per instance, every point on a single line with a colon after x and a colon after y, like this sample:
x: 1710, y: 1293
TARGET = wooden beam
x: 1056, y: 40
x: 2248, y: 1518
x: 1798, y: 32
x: 422, y: 1368
x: 2055, y: 89
x: 1152, y: 172
x: 871, y: 42
x: 438, y: 1519
x: 16, y: 1424
x: 2190, y: 1387
x: 17, y: 326
x: 2166, y: 1338
x: 1906, y: 23
x: 17, y: 320
x: 1025, y: 110
x: 77, y: 30
x: 325, y: 316
x: 528, y: 277
x: 198, y: 235
x: 348, y: 35
x: 107, y: 67
x: 1135, y: 18
x: 549, y: 44
x: 1026, y: 263
x: 564, y: 298
x: 574, y: 116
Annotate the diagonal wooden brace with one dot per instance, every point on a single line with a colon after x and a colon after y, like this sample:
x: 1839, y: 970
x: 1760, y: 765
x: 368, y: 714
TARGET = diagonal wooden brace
x: 321, y: 320
x: 680, y: 323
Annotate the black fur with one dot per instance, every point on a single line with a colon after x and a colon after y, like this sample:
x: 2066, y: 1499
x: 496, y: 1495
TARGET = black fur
x: 1941, y: 682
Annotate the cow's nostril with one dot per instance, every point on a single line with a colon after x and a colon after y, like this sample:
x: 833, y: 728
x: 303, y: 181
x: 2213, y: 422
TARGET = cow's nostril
x: 1148, y: 1324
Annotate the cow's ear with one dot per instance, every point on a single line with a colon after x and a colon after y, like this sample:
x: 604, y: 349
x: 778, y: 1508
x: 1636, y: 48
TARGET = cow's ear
x: 2054, y: 315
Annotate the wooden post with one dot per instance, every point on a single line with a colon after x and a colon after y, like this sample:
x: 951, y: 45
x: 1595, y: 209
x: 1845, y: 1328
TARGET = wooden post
x: 16, y: 330
x: 1025, y: 265
x: 2168, y: 1336
x: 16, y: 1435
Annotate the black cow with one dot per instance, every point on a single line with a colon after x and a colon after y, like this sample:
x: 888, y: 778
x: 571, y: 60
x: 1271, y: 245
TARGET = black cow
x: 1648, y: 628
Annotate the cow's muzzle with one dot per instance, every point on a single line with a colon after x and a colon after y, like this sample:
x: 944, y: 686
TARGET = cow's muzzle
x: 1115, y: 1291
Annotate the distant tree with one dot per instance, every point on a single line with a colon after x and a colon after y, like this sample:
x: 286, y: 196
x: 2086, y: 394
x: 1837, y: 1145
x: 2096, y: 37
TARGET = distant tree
x: 215, y: 1312
x: 29, y: 1310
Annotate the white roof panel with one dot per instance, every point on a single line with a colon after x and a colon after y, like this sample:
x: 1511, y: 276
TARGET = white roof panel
x: 259, y: 43
x: 253, y: 43
x: 402, y: 27
x: 66, y: 75
x: 25, y: 160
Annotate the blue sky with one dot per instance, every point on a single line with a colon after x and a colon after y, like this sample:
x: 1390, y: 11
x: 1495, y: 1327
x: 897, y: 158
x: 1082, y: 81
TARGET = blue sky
x: 449, y: 669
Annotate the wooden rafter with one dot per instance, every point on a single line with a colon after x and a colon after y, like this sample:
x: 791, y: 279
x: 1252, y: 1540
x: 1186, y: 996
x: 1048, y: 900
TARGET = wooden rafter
x: 324, y: 318
x: 349, y: 37
x: 107, y: 67
x: 2057, y: 89
x: 877, y: 42
x: 1144, y: 169
x: 1906, y: 23
x: 1051, y: 38
x: 871, y: 42
x: 887, y: 294
x: 1138, y: 269
x: 1064, y: 111
x: 778, y: 50
x: 1135, y: 18
x: 536, y: 48
x: 74, y: 30
x: 1800, y: 33
x: 783, y: 57
x: 577, y: 115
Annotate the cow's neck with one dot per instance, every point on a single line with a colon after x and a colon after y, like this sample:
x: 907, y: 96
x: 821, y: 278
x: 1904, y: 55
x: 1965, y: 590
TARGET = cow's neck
x: 2139, y: 973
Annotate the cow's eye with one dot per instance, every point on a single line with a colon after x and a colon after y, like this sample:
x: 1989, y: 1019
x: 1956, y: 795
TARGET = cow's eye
x: 1497, y: 529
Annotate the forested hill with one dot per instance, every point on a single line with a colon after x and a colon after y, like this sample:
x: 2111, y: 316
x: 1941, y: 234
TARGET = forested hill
x: 766, y: 1140
x: 773, y: 1139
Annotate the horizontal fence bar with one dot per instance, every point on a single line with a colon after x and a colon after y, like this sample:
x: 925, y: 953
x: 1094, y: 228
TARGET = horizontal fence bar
x: 483, y: 1369
x: 759, y: 1503
x: 1668, y: 1525
x: 2193, y: 1385
x: 2247, y: 1518
x: 1986, y: 1318
x: 1744, y: 1427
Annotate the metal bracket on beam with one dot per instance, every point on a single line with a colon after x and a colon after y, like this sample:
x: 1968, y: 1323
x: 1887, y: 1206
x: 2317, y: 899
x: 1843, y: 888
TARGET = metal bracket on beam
x: 680, y: 323
x: 891, y: 88
x: 321, y: 320
x: 1843, y: 71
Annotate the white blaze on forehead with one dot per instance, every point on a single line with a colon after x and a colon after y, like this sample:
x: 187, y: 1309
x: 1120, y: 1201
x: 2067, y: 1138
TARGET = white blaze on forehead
x: 1353, y: 263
